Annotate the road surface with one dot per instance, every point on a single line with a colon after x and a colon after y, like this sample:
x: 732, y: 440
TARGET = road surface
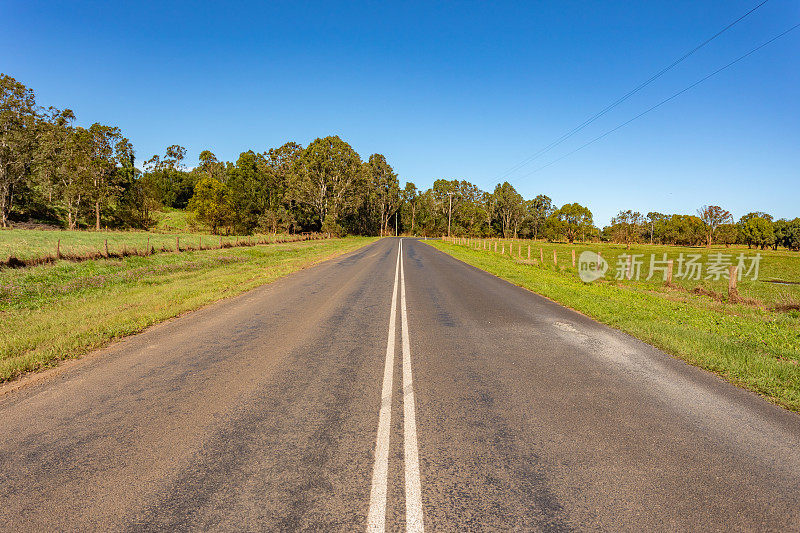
x: 389, y: 391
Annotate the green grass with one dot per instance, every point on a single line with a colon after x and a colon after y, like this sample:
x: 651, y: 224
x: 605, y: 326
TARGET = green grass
x: 27, y: 244
x: 750, y: 346
x: 63, y: 310
x: 176, y: 221
x: 781, y: 265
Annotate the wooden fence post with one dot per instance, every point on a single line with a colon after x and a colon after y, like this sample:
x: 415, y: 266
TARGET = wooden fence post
x: 541, y: 256
x: 58, y: 249
x: 503, y: 251
x: 105, y: 245
x: 669, y: 272
x: 149, y: 249
x: 555, y: 258
x: 733, y: 292
x: 573, y: 258
x: 529, y: 252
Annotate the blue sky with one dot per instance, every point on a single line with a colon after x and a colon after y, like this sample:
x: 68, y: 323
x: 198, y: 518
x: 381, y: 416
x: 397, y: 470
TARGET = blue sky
x: 452, y: 90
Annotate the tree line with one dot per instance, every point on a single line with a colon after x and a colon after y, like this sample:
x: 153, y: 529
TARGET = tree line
x: 54, y: 171
x: 711, y: 225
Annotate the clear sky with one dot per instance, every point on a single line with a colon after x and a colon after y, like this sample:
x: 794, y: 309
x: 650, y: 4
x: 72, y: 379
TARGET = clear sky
x: 444, y: 90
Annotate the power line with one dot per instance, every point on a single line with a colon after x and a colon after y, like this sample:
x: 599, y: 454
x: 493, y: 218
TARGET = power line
x: 662, y: 102
x: 625, y: 97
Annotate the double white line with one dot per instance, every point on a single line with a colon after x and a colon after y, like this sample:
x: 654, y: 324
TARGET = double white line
x: 376, y: 519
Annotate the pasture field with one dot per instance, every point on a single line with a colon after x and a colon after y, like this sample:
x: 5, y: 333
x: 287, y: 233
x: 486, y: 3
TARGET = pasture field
x: 64, y: 309
x: 25, y: 244
x: 777, y: 282
x: 754, y: 345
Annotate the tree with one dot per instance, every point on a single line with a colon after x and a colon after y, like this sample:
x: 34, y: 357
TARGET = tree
x: 727, y: 234
x: 17, y: 139
x: 507, y: 207
x: 713, y: 216
x: 50, y: 158
x: 446, y: 197
x: 684, y: 229
x: 626, y: 226
x: 787, y: 233
x: 745, y: 231
x: 411, y: 199
x: 328, y: 178
x: 103, y: 160
x: 757, y: 231
x: 653, y: 218
x: 169, y: 178
x: 210, y: 203
x: 248, y: 190
x: 538, y: 210
x: 574, y: 219
x: 210, y: 166
x: 386, y: 186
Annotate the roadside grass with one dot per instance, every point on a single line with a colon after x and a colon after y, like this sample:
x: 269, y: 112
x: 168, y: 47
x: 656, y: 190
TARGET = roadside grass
x: 751, y: 346
x: 28, y: 244
x: 63, y: 310
x: 778, y: 282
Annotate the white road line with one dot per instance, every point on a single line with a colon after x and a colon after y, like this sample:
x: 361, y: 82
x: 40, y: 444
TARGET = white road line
x: 414, y: 520
x: 376, y: 519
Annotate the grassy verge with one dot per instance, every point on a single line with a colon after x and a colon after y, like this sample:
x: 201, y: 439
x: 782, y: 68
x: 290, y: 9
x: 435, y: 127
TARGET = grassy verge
x: 750, y: 346
x: 63, y: 310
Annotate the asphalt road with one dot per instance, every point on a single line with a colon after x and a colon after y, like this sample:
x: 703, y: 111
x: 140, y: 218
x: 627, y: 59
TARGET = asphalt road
x: 370, y: 392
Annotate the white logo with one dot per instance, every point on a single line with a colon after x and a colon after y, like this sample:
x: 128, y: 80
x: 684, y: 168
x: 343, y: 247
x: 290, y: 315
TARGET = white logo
x: 591, y: 266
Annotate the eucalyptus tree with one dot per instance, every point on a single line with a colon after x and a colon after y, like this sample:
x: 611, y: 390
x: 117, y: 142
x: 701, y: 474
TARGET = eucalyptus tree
x: 103, y: 161
x: 653, y: 219
x: 386, y: 187
x: 471, y: 209
x: 52, y: 150
x: 328, y: 178
x: 169, y: 178
x: 713, y: 216
x: 210, y: 167
x: 411, y: 200
x: 537, y: 211
x: 17, y: 139
x: 574, y: 219
x: 627, y: 226
x: 445, y: 196
x: 506, y: 207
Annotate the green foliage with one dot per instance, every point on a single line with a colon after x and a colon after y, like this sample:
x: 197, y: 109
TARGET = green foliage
x: 211, y: 204
x: 571, y: 221
x: 327, y: 178
x: 54, y: 171
x: 757, y: 231
x: 507, y: 206
x: 787, y: 233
